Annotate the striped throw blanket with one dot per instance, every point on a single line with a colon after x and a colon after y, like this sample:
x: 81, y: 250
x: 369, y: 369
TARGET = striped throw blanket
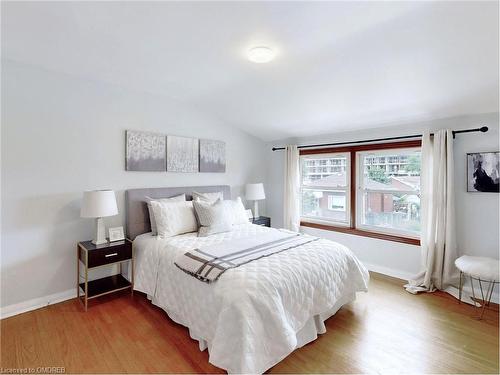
x: 209, y: 263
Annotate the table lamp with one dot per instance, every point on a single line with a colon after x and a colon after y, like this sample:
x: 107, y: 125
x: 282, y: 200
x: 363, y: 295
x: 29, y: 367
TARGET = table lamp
x: 98, y: 204
x: 255, y: 192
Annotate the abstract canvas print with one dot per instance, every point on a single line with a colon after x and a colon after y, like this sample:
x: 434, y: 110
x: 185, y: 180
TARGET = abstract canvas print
x: 145, y: 151
x: 182, y: 154
x: 212, y: 156
x: 482, y: 172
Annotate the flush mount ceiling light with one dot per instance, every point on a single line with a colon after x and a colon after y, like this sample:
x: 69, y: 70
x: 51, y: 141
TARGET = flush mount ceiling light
x: 261, y: 55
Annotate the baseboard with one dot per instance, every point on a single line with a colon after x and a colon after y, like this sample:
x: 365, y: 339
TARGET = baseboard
x: 36, y: 303
x: 467, y: 290
x: 389, y: 271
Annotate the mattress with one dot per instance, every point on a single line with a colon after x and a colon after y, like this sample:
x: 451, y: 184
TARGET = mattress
x: 255, y: 314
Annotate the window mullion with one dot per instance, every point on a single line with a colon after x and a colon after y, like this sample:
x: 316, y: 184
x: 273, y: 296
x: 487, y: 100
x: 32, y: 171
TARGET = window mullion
x: 352, y: 185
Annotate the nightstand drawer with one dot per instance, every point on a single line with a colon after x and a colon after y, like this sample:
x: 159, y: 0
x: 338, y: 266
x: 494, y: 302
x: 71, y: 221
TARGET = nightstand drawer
x: 100, y: 257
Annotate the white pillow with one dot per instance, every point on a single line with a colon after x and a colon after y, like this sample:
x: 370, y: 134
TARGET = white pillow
x: 212, y: 217
x: 177, y: 198
x: 173, y: 218
x: 208, y: 197
x: 237, y: 212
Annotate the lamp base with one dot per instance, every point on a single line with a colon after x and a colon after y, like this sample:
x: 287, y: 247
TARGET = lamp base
x: 100, y: 232
x: 256, y: 209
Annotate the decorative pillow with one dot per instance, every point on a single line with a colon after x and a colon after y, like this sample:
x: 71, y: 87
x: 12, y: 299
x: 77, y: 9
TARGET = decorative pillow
x: 173, y: 218
x: 177, y: 198
x: 237, y: 211
x: 212, y: 217
x: 208, y: 197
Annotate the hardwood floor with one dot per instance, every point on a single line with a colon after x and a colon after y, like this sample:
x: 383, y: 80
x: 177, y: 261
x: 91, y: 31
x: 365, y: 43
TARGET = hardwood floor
x: 386, y: 331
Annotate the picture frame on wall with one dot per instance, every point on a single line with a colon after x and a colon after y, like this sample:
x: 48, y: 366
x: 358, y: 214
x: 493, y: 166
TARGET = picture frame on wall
x: 145, y: 151
x: 148, y: 151
x: 182, y: 154
x: 483, y: 170
x: 212, y: 156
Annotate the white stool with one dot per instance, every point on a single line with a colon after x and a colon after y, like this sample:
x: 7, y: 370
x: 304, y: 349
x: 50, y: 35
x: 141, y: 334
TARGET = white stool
x: 480, y: 269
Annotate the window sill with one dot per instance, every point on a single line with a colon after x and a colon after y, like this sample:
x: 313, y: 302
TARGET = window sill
x: 364, y: 233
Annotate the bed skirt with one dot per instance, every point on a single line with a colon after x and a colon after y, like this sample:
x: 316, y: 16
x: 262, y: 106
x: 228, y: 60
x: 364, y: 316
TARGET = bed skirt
x: 309, y: 332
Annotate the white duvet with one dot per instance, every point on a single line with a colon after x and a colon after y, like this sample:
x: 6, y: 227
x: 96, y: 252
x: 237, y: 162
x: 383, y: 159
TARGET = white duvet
x: 253, y: 316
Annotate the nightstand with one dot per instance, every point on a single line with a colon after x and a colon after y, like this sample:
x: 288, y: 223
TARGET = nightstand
x: 96, y: 256
x: 262, y: 220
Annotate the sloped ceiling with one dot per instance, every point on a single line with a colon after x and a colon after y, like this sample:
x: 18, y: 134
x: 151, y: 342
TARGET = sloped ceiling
x: 340, y: 65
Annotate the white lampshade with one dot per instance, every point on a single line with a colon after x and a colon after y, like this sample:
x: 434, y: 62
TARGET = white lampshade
x: 99, y: 203
x: 254, y: 192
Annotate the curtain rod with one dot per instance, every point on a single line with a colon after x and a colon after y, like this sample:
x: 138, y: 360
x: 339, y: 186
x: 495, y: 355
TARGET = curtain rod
x: 482, y: 129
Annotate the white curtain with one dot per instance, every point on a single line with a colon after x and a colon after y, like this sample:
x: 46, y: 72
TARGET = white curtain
x: 437, y: 237
x: 292, y: 184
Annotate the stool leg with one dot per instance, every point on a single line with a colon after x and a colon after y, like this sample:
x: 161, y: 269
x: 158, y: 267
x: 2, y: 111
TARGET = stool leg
x: 487, y: 302
x: 482, y: 298
x: 473, y: 293
x: 491, y: 291
x: 481, y: 289
x: 460, y: 286
x: 489, y: 294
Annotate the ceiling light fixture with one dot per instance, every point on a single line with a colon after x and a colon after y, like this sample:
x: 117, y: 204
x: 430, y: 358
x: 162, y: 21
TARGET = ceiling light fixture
x: 261, y: 55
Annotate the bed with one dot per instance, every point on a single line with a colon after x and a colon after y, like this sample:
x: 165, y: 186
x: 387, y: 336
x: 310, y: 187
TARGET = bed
x: 256, y: 314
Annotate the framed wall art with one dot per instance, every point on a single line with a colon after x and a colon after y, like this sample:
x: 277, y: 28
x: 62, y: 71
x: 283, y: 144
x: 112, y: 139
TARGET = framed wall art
x: 145, y: 151
x: 483, y: 172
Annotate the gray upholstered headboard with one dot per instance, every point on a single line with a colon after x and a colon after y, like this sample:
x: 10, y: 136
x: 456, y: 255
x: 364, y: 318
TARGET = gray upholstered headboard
x: 136, y: 210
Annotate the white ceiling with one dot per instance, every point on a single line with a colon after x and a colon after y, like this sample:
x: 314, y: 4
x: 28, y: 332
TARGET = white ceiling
x: 340, y: 65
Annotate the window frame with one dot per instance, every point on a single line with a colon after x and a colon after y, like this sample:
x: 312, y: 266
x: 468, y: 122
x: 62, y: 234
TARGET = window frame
x: 353, y: 183
x: 347, y: 190
x: 361, y: 190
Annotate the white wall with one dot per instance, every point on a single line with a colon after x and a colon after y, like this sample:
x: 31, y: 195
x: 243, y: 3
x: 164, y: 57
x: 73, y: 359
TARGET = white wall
x: 63, y: 135
x: 477, y: 214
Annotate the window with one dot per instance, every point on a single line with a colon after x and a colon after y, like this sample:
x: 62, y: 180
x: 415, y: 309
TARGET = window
x: 389, y: 195
x: 325, y: 191
x: 380, y: 198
